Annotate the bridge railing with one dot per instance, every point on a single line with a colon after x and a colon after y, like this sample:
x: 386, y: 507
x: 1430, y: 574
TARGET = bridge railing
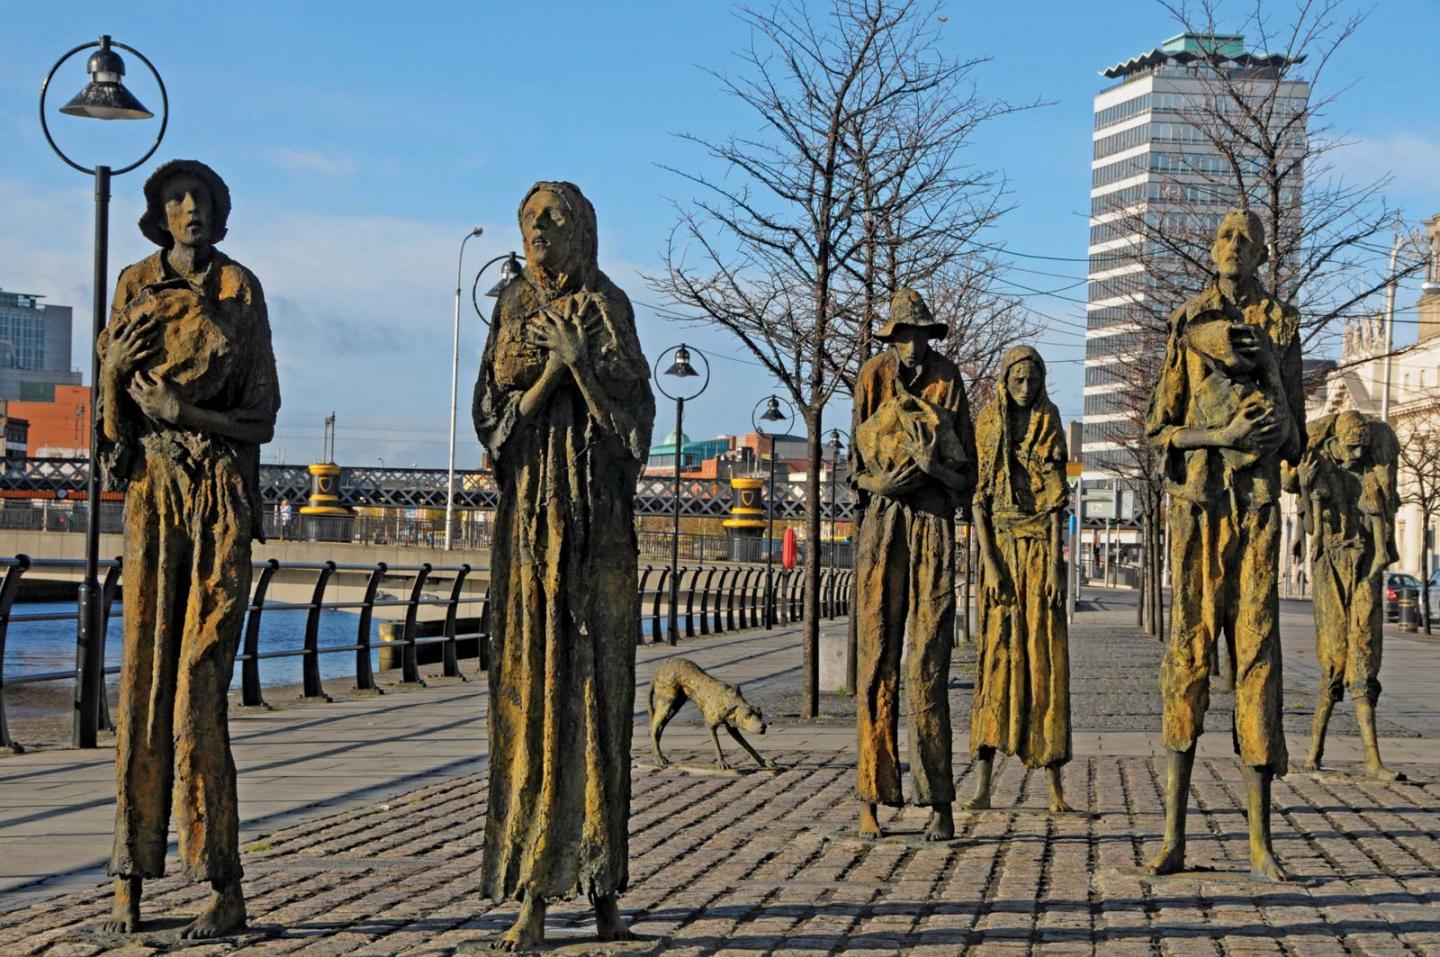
x: 712, y: 599
x: 427, y: 488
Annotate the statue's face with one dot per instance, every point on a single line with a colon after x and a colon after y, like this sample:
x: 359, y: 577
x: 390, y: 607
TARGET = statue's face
x: 1237, y: 252
x: 549, y: 236
x: 1023, y: 383
x: 188, y: 209
x: 1347, y: 446
x: 911, y: 343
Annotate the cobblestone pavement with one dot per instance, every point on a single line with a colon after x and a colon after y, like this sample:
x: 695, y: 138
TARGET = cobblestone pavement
x: 768, y: 864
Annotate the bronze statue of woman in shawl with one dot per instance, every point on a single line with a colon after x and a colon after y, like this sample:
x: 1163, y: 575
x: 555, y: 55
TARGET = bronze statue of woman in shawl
x: 564, y: 405
x: 1022, y: 678
x: 188, y: 394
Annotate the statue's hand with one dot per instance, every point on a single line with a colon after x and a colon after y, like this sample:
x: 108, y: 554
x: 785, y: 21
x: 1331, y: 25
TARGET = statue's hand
x: 901, y: 479
x: 132, y: 345
x: 1245, y: 341
x: 155, y: 398
x: 993, y: 581
x: 1255, y: 428
x: 1055, y: 584
x: 1306, y: 472
x: 564, y: 337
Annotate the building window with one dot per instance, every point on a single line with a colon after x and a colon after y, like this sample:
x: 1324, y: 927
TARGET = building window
x: 1122, y: 111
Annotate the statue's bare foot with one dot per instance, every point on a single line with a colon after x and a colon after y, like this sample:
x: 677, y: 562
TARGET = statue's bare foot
x: 1313, y: 764
x: 942, y: 824
x: 980, y: 802
x: 1058, y: 804
x: 125, y: 914
x: 1379, y: 772
x: 869, y: 823
x: 528, y: 931
x: 660, y: 761
x: 1264, y: 867
x: 1170, y: 860
x: 609, y: 924
x: 224, y: 914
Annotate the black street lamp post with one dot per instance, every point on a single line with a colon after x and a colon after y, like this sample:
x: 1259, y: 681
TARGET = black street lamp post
x: 836, y: 448
x: 772, y: 413
x: 103, y: 98
x: 681, y: 368
x: 509, y: 272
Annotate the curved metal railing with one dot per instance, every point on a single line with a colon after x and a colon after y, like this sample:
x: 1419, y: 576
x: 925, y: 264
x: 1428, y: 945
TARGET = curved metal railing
x: 712, y: 599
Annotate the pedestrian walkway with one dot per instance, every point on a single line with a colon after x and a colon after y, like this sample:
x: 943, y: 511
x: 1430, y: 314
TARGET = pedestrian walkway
x: 364, y: 818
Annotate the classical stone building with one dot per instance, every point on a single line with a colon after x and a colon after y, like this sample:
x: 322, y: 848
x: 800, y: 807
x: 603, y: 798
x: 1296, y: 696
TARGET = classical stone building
x: 1359, y: 381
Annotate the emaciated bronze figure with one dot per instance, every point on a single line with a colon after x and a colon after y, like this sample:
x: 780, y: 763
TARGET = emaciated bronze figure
x: 1022, y: 675
x: 914, y: 463
x: 1347, y: 487
x: 564, y: 405
x: 1226, y: 411
x: 188, y: 394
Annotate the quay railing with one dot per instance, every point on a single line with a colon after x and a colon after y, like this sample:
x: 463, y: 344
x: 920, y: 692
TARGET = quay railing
x: 714, y: 599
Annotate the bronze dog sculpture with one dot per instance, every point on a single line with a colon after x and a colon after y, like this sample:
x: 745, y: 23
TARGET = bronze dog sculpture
x: 721, y: 705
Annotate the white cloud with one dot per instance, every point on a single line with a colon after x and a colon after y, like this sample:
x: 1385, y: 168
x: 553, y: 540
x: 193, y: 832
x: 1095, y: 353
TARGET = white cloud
x: 1410, y: 158
x: 310, y: 161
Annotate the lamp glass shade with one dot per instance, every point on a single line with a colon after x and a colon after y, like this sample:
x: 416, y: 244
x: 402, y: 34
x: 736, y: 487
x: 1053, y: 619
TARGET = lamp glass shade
x: 105, y: 96
x: 681, y: 367
x: 772, y: 411
x: 509, y: 272
x: 106, y: 101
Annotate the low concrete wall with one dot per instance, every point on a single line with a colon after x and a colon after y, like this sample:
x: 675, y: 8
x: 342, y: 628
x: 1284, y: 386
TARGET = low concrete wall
x: 38, y: 544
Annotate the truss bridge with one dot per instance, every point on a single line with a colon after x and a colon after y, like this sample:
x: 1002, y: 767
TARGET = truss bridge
x: 425, y: 488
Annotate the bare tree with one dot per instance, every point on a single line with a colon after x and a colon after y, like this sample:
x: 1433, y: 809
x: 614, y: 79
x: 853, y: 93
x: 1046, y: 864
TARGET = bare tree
x: 818, y: 215
x: 1419, y: 481
x: 1139, y: 467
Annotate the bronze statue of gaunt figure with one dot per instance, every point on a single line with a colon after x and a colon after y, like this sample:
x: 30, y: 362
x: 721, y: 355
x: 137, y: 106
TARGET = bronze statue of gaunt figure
x: 188, y: 394
x: 1348, y: 496
x: 1226, y: 412
x: 914, y: 464
x: 1022, y: 673
x: 564, y: 405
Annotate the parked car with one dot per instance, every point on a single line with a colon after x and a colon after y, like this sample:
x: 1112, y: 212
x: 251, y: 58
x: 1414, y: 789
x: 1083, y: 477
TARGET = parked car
x: 1434, y: 593
x: 1399, y: 586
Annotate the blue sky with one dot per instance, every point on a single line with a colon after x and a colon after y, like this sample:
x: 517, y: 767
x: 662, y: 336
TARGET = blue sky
x: 360, y: 146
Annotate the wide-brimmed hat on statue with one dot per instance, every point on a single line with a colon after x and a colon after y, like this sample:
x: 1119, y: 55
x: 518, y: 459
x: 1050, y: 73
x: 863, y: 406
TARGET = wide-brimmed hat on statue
x: 152, y: 221
x: 907, y: 308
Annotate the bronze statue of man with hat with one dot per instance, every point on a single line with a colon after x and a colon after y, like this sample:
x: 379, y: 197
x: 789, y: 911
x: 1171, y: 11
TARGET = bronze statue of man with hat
x: 188, y: 394
x: 914, y: 464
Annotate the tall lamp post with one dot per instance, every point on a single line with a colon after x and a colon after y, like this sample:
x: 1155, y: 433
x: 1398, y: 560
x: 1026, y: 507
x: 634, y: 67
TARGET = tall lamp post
x: 103, y: 98
x: 1412, y: 241
x: 680, y: 368
x: 771, y: 414
x: 508, y: 274
x: 832, y: 441
x: 455, y: 386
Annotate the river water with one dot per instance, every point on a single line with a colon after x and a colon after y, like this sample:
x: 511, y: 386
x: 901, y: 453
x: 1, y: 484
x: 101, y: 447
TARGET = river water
x: 36, y: 647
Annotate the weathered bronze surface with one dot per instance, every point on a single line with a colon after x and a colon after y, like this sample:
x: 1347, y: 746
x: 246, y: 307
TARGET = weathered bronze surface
x: 914, y: 463
x: 564, y: 405
x: 188, y: 393
x: 721, y: 705
x: 1022, y: 676
x: 1226, y: 411
x: 1347, y: 487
